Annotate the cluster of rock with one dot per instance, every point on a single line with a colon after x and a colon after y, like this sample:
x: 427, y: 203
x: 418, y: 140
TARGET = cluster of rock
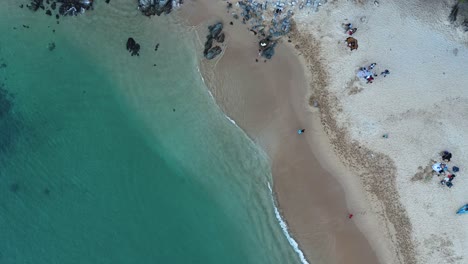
x: 157, y: 7
x: 270, y: 20
x: 267, y: 47
x: 65, y: 7
x: 133, y: 47
x: 215, y: 34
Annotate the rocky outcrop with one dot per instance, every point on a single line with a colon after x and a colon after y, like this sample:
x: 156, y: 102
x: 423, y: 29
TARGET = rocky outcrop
x: 156, y: 7
x: 215, y: 34
x: 66, y: 7
x: 74, y: 7
x: 133, y: 47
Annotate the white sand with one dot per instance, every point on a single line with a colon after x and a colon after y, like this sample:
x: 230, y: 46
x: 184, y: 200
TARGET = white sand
x: 422, y: 105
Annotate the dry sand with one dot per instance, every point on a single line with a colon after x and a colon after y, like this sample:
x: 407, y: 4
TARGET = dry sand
x: 270, y: 102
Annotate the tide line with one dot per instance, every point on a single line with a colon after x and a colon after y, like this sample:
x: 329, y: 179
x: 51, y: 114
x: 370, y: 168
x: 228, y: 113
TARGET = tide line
x: 284, y: 227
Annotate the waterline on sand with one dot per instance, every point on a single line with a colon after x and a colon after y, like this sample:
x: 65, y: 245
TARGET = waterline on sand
x: 284, y: 227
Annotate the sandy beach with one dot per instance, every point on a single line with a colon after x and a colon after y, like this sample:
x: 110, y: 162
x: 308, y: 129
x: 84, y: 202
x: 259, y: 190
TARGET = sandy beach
x: 368, y: 148
x: 269, y: 101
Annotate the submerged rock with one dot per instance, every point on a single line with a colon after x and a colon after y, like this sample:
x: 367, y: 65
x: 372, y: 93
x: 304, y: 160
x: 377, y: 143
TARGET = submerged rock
x: 36, y: 4
x: 133, y: 47
x: 51, y: 46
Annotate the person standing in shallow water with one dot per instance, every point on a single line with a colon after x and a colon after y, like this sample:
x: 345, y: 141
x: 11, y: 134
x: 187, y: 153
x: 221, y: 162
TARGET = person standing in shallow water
x: 300, y: 131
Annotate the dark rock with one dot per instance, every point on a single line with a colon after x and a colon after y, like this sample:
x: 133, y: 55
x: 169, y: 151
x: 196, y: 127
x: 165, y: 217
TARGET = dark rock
x: 267, y: 48
x: 130, y: 43
x: 53, y: 5
x: 156, y: 47
x: 268, y: 52
x: 454, y: 13
x: 231, y: 23
x: 220, y: 38
x: 36, y: 4
x: 235, y: 16
x: 213, y: 52
x: 21, y: 6
x: 215, y: 29
x: 57, y: 16
x: 25, y: 26
x: 465, y: 25
x: 155, y: 7
x: 48, y: 12
x: 208, y: 45
x: 51, y: 46
x: 133, y: 47
x: 107, y: 1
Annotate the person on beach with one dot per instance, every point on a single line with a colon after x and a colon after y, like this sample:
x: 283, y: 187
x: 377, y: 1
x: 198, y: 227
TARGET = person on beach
x: 300, y: 131
x: 352, y: 31
x: 372, y: 65
x: 446, y: 156
x: 369, y: 79
x: 385, y: 73
x: 348, y: 26
x: 439, y: 168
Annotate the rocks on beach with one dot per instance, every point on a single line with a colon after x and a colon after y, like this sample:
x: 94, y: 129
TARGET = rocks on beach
x: 269, y: 31
x: 157, y: 7
x: 267, y: 48
x: 133, y: 47
x: 215, y: 34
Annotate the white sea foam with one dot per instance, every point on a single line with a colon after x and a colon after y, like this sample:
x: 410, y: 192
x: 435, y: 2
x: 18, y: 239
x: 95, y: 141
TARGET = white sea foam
x: 284, y: 227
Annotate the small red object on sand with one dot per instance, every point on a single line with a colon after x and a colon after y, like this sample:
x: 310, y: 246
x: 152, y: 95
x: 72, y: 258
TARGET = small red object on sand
x: 350, y: 216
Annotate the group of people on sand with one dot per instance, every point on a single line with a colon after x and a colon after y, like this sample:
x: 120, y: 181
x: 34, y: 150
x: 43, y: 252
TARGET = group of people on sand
x: 442, y: 169
x: 351, y: 42
x: 368, y: 74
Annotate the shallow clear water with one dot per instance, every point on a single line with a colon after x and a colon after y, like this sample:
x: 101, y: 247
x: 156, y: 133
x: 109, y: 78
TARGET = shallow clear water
x: 105, y: 158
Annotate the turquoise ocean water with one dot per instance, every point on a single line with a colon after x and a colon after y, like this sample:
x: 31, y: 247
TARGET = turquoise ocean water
x: 106, y: 158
